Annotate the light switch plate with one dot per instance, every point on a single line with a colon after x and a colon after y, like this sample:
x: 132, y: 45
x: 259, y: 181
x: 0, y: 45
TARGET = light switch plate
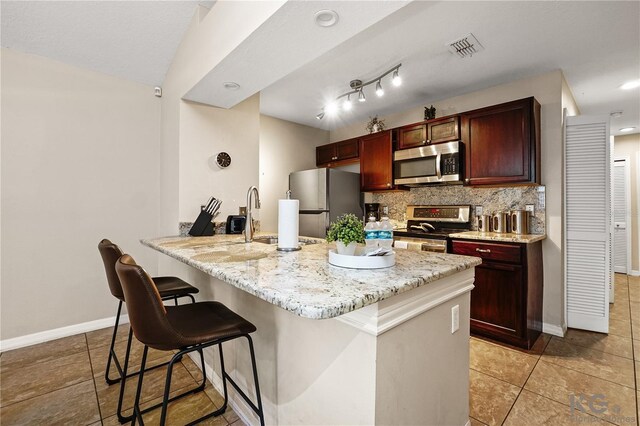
x: 479, y: 210
x: 530, y: 208
x: 455, y: 319
x: 242, y: 211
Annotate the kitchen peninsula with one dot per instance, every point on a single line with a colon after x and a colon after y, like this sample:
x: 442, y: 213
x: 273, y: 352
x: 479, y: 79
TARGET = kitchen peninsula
x: 348, y: 346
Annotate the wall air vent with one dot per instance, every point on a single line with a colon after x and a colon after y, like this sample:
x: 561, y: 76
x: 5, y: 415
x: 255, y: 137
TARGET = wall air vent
x: 465, y: 46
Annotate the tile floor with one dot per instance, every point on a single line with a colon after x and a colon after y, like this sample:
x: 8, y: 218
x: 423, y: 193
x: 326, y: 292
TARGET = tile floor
x: 61, y: 382
x: 511, y: 386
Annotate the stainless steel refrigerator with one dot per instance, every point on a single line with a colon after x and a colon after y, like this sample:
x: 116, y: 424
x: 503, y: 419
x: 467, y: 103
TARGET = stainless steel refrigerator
x: 324, y: 195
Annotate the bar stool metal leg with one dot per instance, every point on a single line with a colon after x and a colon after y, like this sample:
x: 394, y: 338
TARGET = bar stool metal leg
x: 112, y: 348
x: 137, y: 415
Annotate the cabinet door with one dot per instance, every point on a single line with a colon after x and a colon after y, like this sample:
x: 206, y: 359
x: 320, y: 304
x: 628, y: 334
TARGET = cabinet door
x: 412, y: 136
x: 503, y: 143
x: 496, y: 300
x: 376, y: 162
x: 443, y: 130
x: 325, y: 154
x: 347, y: 149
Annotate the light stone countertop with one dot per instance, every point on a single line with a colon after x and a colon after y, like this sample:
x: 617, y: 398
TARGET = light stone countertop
x: 304, y: 282
x: 494, y: 236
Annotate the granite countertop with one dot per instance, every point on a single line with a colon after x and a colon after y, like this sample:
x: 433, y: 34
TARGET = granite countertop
x: 505, y: 238
x: 303, y: 282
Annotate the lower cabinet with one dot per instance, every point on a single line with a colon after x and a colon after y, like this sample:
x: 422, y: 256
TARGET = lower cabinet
x: 506, y: 303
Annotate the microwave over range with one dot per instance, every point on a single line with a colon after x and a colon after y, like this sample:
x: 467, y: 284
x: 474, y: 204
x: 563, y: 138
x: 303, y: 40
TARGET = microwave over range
x: 440, y: 163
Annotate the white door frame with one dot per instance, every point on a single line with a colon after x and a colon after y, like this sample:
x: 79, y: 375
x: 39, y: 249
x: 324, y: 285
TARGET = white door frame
x: 627, y: 196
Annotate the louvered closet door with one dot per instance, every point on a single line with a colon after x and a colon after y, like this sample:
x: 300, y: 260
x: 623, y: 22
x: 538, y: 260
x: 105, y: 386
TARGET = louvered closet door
x: 619, y: 217
x: 587, y: 222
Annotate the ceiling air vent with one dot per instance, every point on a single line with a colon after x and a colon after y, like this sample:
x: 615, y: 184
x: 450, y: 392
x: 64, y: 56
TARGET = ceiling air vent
x: 465, y: 46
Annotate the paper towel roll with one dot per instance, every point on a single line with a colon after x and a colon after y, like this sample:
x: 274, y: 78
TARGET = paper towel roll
x: 288, y: 223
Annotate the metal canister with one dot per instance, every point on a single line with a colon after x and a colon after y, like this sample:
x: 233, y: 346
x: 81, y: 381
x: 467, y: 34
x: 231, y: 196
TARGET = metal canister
x: 500, y: 222
x: 520, y: 221
x: 484, y: 223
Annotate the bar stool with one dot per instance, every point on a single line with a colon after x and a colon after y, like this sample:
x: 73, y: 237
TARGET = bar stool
x: 168, y: 287
x: 185, y: 328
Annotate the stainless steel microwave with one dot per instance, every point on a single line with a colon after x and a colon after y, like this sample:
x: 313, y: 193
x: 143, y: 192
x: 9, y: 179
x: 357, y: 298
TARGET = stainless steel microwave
x: 440, y: 163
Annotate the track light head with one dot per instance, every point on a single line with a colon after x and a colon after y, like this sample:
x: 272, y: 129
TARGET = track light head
x: 331, y: 108
x: 320, y: 116
x: 396, y: 80
x: 361, y: 97
x: 379, y: 90
x: 347, y: 105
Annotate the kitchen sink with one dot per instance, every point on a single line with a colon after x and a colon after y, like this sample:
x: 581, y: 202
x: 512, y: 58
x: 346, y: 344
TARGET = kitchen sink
x: 266, y: 240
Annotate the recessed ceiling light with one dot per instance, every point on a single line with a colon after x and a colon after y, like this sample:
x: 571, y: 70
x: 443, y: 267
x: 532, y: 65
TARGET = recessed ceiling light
x: 231, y: 85
x: 630, y: 85
x: 616, y: 114
x: 627, y: 129
x: 326, y: 18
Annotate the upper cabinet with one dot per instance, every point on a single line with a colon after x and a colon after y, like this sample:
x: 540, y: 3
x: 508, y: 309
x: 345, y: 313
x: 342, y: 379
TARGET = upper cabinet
x: 376, y: 162
x: 338, y: 153
x: 502, y: 143
x: 440, y: 130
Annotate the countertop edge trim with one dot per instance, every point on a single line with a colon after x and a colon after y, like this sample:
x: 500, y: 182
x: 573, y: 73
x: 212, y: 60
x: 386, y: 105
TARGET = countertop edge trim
x: 382, y: 316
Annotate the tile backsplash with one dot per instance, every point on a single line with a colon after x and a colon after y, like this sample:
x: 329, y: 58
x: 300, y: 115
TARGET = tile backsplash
x: 491, y: 199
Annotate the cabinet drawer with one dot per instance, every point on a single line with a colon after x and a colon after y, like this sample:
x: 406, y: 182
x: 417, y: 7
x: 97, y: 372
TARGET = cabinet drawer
x: 489, y: 251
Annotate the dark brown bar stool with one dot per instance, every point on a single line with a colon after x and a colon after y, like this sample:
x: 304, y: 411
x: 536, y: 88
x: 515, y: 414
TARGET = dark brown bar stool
x: 168, y: 287
x: 186, y: 328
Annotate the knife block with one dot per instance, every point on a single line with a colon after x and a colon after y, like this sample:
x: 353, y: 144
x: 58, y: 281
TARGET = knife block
x: 202, y: 226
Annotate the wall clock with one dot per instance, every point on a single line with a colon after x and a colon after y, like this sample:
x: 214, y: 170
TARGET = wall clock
x: 223, y: 160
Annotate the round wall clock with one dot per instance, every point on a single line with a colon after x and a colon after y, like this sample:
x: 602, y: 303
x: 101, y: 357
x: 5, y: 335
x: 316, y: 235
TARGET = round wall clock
x: 223, y: 160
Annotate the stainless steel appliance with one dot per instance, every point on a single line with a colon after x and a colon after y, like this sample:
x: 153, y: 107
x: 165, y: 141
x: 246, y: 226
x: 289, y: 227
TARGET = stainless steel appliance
x: 372, y: 209
x: 428, y: 227
x: 324, y: 195
x: 439, y: 163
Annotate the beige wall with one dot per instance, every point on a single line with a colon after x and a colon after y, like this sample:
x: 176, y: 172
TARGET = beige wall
x: 285, y: 147
x: 80, y: 163
x: 629, y: 145
x: 547, y: 89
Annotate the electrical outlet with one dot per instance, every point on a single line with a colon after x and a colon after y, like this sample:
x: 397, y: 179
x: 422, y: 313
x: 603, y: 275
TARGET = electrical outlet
x: 242, y: 211
x: 478, y: 210
x: 530, y: 208
x: 455, y: 319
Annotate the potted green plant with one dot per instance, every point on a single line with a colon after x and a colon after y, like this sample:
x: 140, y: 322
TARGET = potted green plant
x: 347, y: 231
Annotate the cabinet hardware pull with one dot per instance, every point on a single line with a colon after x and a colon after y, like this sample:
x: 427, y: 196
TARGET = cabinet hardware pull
x: 424, y: 142
x: 389, y: 185
x: 479, y: 250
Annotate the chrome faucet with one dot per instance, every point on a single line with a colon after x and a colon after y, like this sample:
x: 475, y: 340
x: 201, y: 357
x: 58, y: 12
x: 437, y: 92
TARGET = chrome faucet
x: 249, y: 229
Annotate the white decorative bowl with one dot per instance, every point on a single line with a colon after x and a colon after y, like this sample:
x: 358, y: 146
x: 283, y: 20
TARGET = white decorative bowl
x: 361, y: 262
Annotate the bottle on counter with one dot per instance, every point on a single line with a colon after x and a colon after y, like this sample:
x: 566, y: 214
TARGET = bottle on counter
x: 385, y: 234
x: 371, y: 234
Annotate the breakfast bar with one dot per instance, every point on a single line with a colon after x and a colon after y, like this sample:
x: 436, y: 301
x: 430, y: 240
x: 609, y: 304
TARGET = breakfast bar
x: 338, y: 345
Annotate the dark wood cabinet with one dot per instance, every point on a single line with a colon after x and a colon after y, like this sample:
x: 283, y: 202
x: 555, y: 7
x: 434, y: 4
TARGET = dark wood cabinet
x: 338, y: 153
x: 506, y: 303
x: 445, y: 129
x: 376, y: 162
x: 502, y: 143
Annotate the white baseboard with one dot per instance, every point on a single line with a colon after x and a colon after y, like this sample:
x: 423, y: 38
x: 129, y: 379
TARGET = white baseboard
x: 634, y: 273
x: 57, y: 333
x: 553, y: 329
x: 237, y: 403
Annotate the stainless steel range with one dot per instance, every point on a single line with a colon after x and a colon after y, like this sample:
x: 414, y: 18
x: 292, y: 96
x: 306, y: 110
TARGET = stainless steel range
x: 428, y: 227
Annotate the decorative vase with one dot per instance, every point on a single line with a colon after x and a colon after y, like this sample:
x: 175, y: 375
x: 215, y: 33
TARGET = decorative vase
x: 376, y: 128
x: 347, y: 250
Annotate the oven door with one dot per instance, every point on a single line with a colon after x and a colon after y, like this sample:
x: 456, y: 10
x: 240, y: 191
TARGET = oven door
x: 428, y: 164
x: 420, y: 244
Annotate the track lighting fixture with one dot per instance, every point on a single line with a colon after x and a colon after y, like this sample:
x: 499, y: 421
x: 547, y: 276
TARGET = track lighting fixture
x: 357, y: 87
x: 347, y: 105
x: 361, y: 97
x: 396, y: 80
